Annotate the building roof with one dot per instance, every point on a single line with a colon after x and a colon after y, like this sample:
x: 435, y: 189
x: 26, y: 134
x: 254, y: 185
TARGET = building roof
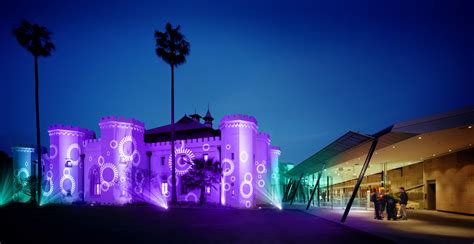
x: 208, y: 116
x: 398, y: 145
x: 185, y: 128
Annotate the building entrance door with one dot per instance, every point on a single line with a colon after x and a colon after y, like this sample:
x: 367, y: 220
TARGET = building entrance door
x: 431, y: 192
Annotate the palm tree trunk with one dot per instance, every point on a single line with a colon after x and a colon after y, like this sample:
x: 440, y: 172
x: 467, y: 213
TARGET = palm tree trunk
x: 38, y: 140
x: 201, y: 198
x: 174, y: 197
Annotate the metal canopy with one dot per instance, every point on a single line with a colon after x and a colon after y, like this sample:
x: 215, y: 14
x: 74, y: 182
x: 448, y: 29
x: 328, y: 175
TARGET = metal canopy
x: 315, y: 162
x: 352, y: 145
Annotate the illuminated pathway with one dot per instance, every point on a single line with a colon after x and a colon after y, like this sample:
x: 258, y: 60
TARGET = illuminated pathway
x: 422, y: 225
x: 146, y: 224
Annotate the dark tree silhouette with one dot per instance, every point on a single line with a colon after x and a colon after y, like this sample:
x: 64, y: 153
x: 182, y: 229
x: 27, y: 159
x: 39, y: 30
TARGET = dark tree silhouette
x: 203, y: 174
x: 37, y: 40
x: 172, y: 47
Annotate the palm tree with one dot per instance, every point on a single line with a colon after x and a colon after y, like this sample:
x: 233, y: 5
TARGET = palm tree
x: 172, y: 47
x: 37, y: 40
x: 203, y: 174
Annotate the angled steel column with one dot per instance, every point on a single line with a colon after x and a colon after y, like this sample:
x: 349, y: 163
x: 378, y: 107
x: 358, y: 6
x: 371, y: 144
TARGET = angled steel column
x: 287, y: 189
x: 296, y: 190
x: 317, y: 185
x: 317, y: 196
x: 359, y: 180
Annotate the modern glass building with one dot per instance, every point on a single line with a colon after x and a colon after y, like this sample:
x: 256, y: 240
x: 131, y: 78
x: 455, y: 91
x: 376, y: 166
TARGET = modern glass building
x: 431, y: 157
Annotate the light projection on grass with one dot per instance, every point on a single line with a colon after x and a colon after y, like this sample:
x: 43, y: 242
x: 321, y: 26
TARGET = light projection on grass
x: 67, y: 184
x: 184, y: 160
x: 128, y: 149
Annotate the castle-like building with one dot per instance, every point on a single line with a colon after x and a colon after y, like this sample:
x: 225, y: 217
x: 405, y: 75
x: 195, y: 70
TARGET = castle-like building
x: 131, y: 164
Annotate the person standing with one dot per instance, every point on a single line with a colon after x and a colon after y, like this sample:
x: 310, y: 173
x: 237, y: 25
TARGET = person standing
x: 382, y: 203
x: 403, y: 203
x: 390, y: 205
x: 374, y: 199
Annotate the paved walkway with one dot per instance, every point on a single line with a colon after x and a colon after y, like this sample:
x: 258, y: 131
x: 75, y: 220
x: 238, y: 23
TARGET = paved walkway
x: 423, y: 226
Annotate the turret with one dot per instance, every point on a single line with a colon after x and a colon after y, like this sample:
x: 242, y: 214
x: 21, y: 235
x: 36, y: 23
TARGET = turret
x: 122, y: 160
x: 22, y: 168
x: 276, y: 192
x: 262, y: 168
x: 238, y: 133
x: 64, y: 172
x: 208, y: 119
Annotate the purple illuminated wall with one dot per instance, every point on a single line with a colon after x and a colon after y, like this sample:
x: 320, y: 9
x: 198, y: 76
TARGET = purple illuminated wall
x: 120, y: 167
x: 65, y: 168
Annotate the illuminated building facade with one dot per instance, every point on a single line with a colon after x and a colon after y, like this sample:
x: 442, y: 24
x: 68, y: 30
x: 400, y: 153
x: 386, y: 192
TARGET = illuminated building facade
x: 130, y: 164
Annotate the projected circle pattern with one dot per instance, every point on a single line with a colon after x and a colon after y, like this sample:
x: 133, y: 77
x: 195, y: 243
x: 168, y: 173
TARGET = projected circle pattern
x: 246, y: 188
x: 227, y: 147
x: 184, y: 160
x: 248, y: 204
x: 100, y: 160
x: 261, y: 168
x: 139, y: 179
x: 226, y: 186
x: 49, y: 179
x: 227, y: 167
x: 136, y: 158
x: 191, y: 197
x: 170, y: 180
x: 127, y: 148
x: 53, y: 148
x: 73, y: 157
x: 244, y: 156
x: 113, y: 144
x: 261, y: 183
x: 67, y: 176
x: 114, y: 179
x: 206, y: 147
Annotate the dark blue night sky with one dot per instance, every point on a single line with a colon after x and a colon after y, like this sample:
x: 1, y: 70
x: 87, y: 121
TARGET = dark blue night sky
x: 307, y: 71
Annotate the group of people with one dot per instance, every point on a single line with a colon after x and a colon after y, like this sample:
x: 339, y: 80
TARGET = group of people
x: 386, y: 201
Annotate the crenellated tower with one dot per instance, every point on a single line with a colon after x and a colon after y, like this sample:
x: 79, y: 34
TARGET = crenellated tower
x: 121, y: 163
x: 238, y: 133
x: 65, y: 170
x: 262, y: 168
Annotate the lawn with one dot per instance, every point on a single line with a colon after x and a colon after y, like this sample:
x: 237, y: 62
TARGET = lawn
x: 149, y: 224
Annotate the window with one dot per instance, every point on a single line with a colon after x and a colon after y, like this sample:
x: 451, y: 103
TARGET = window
x: 232, y: 156
x: 164, y: 188
x: 97, y: 190
x: 68, y: 164
x: 206, y: 157
x: 184, y: 189
x: 162, y: 160
x: 208, y: 190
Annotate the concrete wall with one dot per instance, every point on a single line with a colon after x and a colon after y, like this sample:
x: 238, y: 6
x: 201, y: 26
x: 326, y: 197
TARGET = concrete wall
x: 454, y: 176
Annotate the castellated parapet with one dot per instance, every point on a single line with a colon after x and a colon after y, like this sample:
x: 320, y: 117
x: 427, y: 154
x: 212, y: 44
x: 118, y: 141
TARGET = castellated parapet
x: 122, y: 123
x: 68, y: 130
x: 239, y: 121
